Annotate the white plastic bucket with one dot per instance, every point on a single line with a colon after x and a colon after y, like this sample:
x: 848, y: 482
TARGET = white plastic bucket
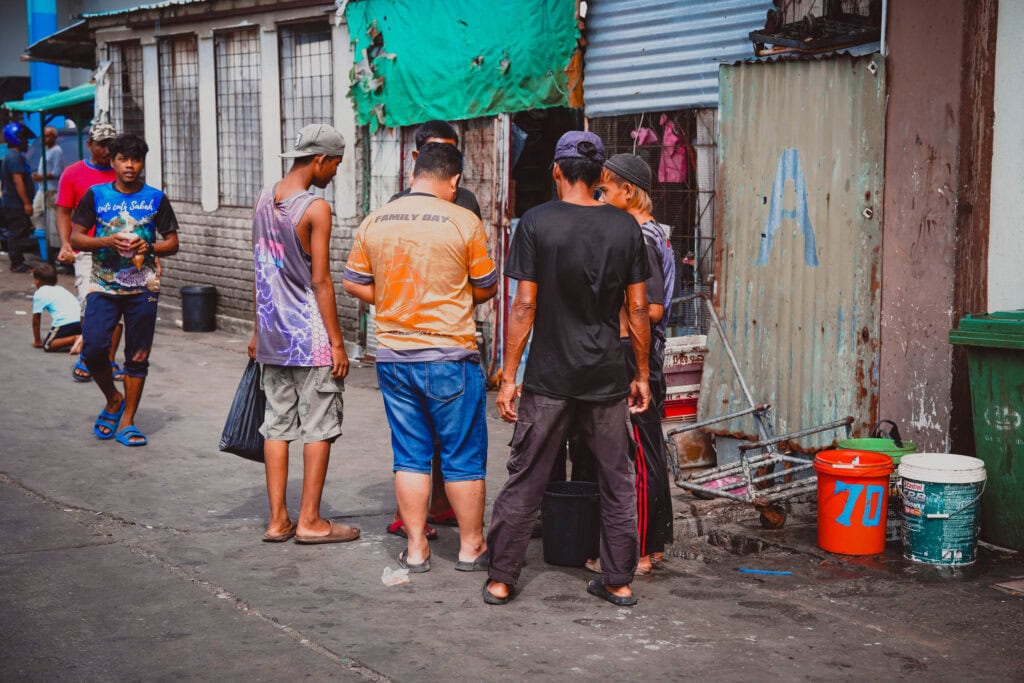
x: 941, y: 507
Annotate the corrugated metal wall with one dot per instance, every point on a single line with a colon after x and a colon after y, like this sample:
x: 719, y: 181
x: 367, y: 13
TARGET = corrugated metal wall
x: 800, y: 183
x: 645, y: 55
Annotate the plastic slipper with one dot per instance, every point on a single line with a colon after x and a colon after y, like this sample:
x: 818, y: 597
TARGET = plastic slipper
x: 108, y: 420
x: 80, y: 373
x: 480, y: 564
x: 116, y: 372
x: 336, y: 534
x: 281, y: 538
x: 125, y: 436
x: 492, y: 599
x: 597, y: 587
x: 397, y: 528
x: 446, y: 518
x: 404, y: 563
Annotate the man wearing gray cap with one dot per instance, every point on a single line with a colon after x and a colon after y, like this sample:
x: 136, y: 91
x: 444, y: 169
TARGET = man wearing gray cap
x: 297, y: 336
x: 576, y: 260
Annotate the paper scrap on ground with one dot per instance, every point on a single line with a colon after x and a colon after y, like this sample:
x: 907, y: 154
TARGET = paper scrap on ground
x: 394, y: 577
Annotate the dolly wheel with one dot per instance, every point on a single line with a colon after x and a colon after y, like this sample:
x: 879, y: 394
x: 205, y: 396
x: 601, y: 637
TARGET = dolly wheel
x: 772, y: 516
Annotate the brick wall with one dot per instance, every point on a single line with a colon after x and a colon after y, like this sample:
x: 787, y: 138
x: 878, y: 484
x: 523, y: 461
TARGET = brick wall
x: 216, y: 249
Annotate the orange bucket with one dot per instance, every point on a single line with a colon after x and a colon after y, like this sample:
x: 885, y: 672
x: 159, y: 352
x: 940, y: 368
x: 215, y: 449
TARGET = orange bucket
x: 853, y: 496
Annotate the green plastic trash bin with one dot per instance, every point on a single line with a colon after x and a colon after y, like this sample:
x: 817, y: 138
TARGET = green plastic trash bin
x: 995, y: 359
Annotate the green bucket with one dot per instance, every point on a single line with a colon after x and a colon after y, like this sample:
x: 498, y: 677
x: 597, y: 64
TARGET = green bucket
x: 941, y: 507
x: 883, y: 440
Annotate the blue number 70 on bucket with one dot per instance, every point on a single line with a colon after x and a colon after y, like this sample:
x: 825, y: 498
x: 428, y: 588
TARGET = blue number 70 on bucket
x: 853, y: 498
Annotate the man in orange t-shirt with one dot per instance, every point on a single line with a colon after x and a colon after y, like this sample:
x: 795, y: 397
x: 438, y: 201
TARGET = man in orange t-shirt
x: 422, y: 262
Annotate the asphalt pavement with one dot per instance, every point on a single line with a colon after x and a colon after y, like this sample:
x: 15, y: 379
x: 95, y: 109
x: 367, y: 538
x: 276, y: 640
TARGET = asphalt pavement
x: 146, y: 564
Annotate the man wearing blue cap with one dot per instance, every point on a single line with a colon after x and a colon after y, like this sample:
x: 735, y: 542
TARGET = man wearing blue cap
x: 586, y: 257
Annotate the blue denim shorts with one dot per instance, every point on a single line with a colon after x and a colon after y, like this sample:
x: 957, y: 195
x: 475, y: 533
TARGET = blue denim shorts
x: 101, y: 316
x: 442, y: 399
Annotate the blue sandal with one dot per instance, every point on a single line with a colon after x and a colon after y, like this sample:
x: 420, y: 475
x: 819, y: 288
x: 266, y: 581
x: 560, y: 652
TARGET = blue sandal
x: 80, y: 373
x: 116, y: 372
x: 109, y: 421
x: 125, y: 436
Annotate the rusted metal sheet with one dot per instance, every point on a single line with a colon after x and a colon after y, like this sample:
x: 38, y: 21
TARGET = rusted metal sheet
x: 800, y: 185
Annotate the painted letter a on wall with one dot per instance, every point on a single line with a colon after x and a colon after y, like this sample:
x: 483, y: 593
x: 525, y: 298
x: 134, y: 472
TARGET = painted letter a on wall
x: 788, y: 169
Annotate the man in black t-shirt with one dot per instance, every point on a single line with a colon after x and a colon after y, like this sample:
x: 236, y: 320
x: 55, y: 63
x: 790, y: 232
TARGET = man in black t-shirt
x: 576, y: 259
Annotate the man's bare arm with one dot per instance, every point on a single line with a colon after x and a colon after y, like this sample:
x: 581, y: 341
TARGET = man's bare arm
x: 640, y: 339
x: 482, y: 294
x: 319, y: 216
x: 64, y: 230
x: 364, y: 293
x: 520, y: 322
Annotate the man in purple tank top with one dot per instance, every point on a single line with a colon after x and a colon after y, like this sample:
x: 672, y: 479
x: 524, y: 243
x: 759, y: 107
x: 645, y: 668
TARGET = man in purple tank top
x: 297, y: 336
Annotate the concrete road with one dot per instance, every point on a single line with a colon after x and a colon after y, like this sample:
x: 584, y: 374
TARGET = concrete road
x: 145, y: 563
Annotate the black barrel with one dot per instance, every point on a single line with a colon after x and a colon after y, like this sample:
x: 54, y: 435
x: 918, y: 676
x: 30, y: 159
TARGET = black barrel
x: 199, y: 308
x: 571, y: 519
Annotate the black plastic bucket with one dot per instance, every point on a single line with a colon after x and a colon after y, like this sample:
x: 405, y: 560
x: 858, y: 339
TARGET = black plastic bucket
x: 571, y: 519
x: 199, y: 308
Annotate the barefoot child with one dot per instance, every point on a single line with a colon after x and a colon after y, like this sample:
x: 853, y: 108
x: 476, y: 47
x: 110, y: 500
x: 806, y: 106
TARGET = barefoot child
x: 60, y: 304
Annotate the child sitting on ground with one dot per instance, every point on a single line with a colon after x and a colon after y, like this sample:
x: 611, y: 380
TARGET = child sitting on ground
x: 63, y: 307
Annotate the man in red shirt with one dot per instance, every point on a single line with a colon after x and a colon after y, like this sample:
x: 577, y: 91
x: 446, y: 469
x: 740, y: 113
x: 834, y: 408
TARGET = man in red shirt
x: 74, y: 182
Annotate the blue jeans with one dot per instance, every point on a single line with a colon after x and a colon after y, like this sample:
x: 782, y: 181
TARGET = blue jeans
x: 442, y: 399
x: 102, y: 313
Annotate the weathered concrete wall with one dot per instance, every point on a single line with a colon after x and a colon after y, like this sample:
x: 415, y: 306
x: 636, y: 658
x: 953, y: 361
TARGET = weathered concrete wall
x: 922, y: 178
x: 978, y: 77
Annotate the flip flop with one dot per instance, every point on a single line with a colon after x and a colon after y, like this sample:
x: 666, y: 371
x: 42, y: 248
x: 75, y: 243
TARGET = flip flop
x: 80, y: 373
x: 397, y: 528
x: 492, y: 599
x: 108, y: 420
x: 480, y: 564
x: 125, y: 436
x: 281, y: 538
x: 404, y: 563
x: 446, y: 518
x: 336, y: 534
x: 597, y: 587
x: 116, y: 372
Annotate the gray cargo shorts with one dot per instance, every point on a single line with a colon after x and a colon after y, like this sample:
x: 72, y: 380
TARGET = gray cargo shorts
x: 302, y: 404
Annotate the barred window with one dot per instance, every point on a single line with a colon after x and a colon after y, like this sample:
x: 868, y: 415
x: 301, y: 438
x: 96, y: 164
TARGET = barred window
x: 240, y: 155
x: 680, y: 148
x: 307, y: 92
x: 179, y: 117
x: 126, y: 99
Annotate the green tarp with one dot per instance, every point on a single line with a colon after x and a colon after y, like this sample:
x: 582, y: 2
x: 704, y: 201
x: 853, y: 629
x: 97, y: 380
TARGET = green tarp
x: 55, y: 101
x: 418, y: 60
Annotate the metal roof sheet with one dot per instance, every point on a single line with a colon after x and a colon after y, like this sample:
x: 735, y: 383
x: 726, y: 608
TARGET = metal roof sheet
x: 139, y: 8
x: 650, y: 55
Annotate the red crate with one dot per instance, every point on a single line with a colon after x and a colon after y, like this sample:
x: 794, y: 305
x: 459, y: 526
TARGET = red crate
x: 680, y: 407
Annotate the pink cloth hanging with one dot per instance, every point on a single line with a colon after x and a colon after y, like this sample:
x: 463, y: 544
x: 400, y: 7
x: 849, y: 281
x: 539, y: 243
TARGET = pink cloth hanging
x: 672, y: 166
x: 644, y: 136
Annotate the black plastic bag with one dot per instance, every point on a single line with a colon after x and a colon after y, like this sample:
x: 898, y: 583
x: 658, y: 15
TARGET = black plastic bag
x: 241, y: 435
